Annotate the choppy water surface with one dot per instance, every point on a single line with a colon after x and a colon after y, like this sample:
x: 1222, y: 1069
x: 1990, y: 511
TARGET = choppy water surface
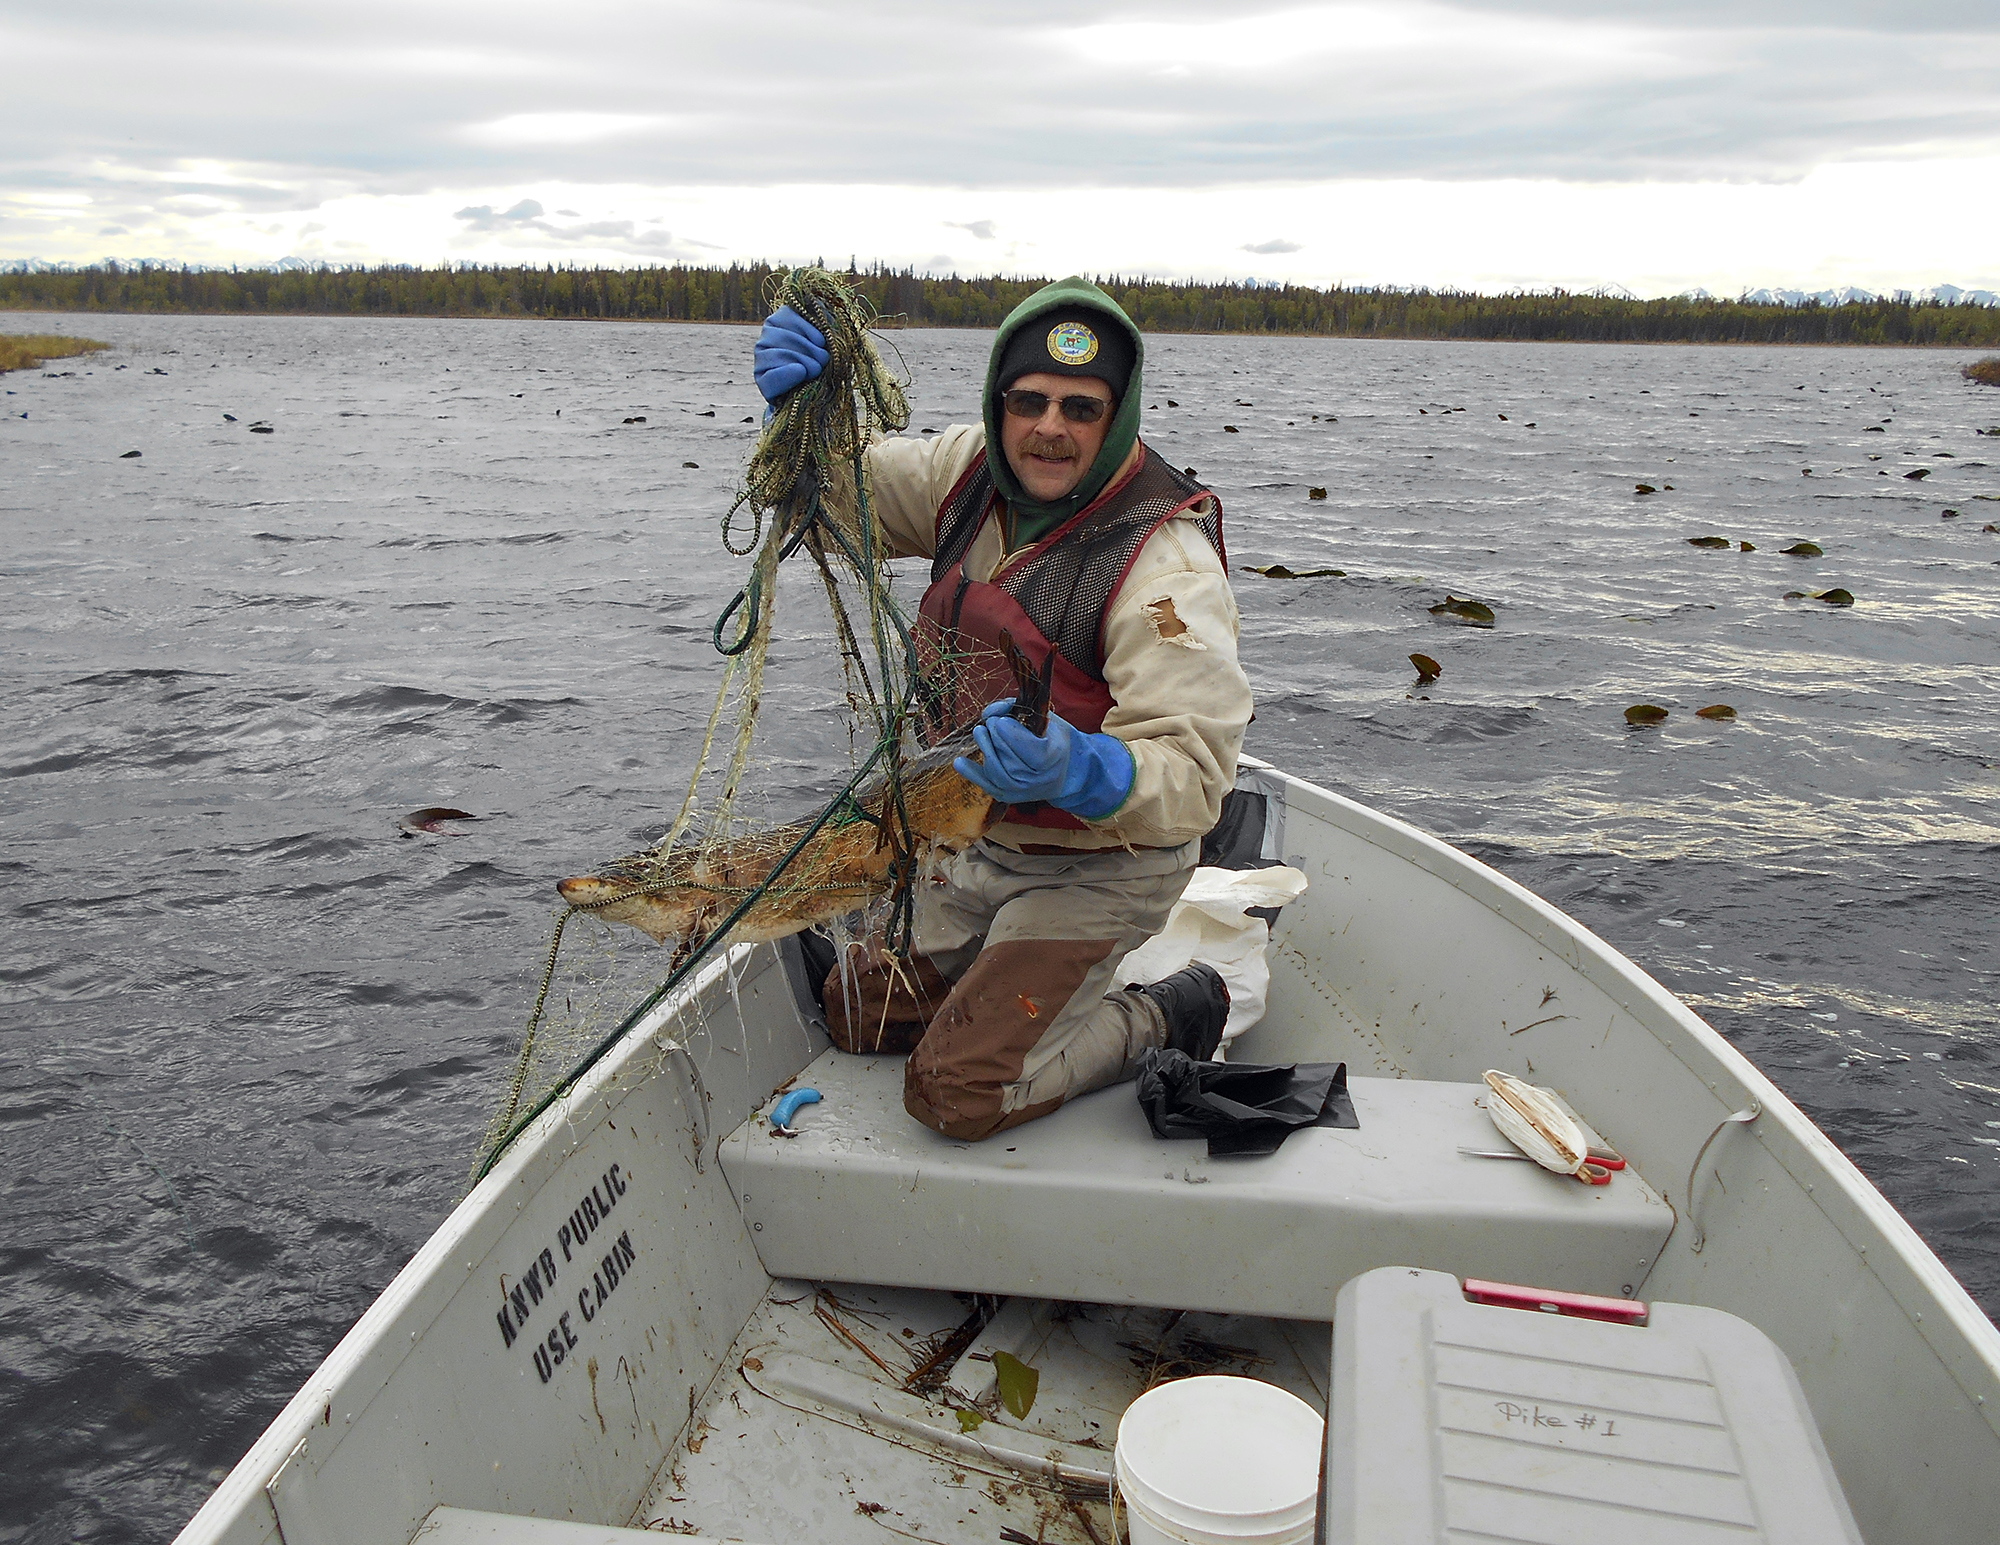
x: 251, y: 1034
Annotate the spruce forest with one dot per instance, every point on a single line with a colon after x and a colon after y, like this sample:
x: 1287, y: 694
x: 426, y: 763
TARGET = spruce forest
x: 736, y: 294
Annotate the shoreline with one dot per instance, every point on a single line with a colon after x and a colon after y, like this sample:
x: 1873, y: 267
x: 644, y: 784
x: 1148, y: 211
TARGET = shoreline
x: 948, y: 327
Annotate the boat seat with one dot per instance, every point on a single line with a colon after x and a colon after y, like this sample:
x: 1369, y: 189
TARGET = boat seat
x: 462, y: 1526
x: 1086, y: 1204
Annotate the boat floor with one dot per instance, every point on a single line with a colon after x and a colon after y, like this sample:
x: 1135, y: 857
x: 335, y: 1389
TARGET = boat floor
x: 844, y: 1414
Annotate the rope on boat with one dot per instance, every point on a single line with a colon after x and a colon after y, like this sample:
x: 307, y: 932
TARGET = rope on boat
x: 809, y: 457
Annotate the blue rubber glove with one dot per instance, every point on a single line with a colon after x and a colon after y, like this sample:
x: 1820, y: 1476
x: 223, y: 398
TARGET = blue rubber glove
x: 790, y: 352
x: 1087, y: 775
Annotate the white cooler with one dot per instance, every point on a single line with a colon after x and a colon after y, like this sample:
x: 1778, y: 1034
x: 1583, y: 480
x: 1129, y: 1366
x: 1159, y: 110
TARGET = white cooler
x: 1462, y: 1421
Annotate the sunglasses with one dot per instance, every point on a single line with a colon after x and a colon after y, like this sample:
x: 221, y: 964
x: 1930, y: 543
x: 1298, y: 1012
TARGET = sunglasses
x: 1078, y: 409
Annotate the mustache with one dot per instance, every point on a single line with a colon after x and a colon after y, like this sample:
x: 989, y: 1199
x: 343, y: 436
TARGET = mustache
x: 1060, y: 446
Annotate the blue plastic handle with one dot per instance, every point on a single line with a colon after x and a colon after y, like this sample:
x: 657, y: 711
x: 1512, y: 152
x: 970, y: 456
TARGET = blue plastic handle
x: 788, y: 1107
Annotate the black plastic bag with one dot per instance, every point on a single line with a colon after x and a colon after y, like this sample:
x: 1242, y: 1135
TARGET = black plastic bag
x: 1244, y: 1109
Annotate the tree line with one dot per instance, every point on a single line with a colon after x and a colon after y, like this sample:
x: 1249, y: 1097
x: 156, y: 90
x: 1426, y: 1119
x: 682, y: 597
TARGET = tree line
x: 683, y: 292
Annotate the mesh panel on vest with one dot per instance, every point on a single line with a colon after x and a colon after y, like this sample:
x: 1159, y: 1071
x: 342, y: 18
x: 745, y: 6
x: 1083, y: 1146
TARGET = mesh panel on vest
x: 1068, y: 579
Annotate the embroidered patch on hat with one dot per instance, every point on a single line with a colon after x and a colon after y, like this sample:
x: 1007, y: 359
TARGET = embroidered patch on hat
x: 1072, y: 343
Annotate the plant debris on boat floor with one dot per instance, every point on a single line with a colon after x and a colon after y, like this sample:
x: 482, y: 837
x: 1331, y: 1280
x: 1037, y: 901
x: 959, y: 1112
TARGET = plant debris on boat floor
x: 889, y: 1396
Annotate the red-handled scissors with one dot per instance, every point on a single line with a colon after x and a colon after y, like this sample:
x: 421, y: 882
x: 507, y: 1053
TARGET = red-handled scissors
x: 1594, y: 1171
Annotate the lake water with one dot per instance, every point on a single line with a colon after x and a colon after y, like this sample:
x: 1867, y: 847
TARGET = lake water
x: 252, y: 1034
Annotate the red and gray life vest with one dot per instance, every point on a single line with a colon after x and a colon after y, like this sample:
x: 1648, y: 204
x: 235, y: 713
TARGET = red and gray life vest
x: 1050, y: 601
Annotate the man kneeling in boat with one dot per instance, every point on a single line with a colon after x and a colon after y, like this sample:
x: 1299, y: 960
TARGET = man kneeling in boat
x: 1080, y: 547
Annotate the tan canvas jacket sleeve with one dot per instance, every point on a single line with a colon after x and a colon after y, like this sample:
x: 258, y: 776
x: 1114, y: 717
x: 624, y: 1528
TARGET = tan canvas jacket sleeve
x: 1180, y: 700
x: 909, y: 477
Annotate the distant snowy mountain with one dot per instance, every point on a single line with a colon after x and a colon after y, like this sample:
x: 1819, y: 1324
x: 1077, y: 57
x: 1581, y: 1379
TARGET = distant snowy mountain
x: 1697, y: 293
x: 1854, y: 295
x: 1952, y: 295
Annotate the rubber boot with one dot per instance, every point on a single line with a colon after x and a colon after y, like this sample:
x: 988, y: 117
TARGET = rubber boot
x: 1195, y: 1004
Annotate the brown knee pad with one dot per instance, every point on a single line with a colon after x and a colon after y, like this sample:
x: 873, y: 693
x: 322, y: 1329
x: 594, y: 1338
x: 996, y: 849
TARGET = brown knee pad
x: 893, y: 1001
x: 1005, y: 1003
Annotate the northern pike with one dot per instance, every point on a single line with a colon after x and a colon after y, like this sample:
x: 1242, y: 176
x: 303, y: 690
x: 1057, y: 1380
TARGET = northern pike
x: 680, y: 895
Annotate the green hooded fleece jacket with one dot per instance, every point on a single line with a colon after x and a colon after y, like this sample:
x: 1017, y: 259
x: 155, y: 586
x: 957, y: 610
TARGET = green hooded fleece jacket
x: 1030, y: 519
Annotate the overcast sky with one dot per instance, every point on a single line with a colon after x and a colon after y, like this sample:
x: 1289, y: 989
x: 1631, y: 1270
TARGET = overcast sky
x: 1486, y: 144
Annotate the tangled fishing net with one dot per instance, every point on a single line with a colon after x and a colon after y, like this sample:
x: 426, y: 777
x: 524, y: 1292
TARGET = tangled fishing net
x: 805, y: 490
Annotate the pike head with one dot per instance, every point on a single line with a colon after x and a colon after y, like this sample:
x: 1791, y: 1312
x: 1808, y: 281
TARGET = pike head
x: 664, y: 916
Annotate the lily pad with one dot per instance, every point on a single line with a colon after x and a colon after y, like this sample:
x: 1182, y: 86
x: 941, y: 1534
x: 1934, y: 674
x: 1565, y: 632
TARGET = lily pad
x: 1645, y: 713
x: 1835, y: 597
x: 1478, y: 613
x: 1315, y: 493
x: 1746, y: 547
x: 1804, y: 550
x: 1715, y: 711
x: 1279, y: 571
x: 432, y: 818
x: 1921, y: 472
x: 1018, y: 1383
x: 1708, y: 541
x: 1644, y: 488
x: 1427, y: 669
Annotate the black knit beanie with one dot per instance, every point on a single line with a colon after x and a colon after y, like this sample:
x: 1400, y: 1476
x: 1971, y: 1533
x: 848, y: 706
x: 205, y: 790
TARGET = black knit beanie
x: 1070, y: 341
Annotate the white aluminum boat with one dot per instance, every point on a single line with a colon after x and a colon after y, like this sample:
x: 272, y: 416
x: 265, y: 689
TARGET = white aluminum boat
x: 655, y: 1314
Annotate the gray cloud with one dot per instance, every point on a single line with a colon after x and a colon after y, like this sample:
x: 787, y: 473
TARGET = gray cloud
x: 525, y: 219
x: 481, y: 217
x: 117, y: 99
x: 984, y: 230
x: 1269, y: 247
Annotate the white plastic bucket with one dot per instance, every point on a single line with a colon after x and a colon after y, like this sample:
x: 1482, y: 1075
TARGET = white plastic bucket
x: 1219, y: 1461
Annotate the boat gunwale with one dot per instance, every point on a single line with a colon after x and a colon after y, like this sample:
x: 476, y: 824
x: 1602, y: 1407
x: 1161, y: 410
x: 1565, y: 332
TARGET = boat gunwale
x: 476, y: 1225
x: 368, y: 1355
x: 1962, y: 1338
